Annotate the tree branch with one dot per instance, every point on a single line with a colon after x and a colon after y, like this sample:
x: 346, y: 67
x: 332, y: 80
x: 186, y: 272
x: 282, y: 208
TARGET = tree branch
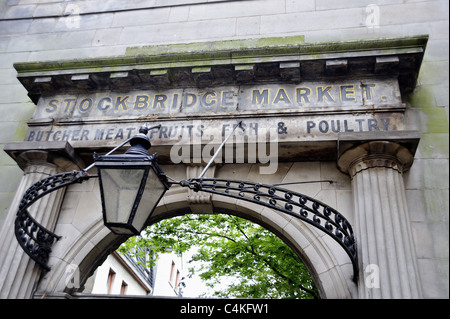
x: 277, y: 272
x: 200, y: 233
x: 249, y: 248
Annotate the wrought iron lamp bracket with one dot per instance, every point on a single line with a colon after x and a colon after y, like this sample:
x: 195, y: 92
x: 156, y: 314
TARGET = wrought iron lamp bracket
x: 35, y: 239
x: 303, y: 207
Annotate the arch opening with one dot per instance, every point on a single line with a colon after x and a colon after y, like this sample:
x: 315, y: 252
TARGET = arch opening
x: 259, y: 263
x: 331, y: 273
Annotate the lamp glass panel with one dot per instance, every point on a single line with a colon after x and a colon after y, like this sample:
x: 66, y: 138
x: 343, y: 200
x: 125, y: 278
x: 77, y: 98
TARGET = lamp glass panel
x: 120, y: 187
x: 153, y: 191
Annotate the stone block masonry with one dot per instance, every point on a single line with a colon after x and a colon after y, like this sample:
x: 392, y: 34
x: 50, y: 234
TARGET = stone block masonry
x: 37, y: 30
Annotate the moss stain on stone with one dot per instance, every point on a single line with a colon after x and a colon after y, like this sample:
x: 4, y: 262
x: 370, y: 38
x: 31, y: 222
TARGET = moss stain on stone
x: 21, y: 131
x: 435, y: 128
x: 424, y: 101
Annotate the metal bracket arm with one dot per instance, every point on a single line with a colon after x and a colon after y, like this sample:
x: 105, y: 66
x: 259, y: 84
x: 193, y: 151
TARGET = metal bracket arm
x: 286, y: 201
x: 34, y: 238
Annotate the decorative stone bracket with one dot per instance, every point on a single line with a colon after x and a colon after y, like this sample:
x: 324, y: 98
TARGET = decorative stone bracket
x: 199, y: 202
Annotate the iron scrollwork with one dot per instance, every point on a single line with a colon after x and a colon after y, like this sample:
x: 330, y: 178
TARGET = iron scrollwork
x: 286, y: 201
x: 34, y: 238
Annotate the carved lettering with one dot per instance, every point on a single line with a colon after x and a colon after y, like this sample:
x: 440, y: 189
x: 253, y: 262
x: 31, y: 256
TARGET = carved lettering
x: 304, y: 97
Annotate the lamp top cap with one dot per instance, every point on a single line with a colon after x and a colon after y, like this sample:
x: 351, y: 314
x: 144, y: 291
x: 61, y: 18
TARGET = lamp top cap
x: 144, y: 129
x: 141, y: 138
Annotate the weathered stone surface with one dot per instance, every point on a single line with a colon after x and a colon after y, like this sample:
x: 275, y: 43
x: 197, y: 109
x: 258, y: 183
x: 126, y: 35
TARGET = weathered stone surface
x: 168, y: 39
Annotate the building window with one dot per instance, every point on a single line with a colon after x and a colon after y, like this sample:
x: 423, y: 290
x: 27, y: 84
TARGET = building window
x: 176, y: 280
x: 172, y: 268
x: 123, y: 288
x: 109, y: 283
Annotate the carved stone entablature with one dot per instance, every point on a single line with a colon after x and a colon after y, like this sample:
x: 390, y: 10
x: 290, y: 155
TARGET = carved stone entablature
x: 247, y: 61
x: 296, y: 94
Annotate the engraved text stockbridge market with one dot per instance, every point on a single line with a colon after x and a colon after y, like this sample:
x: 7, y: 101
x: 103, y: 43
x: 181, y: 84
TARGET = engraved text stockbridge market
x: 310, y: 109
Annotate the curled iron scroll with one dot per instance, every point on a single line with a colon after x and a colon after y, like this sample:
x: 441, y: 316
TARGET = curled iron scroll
x: 307, y: 209
x: 35, y: 239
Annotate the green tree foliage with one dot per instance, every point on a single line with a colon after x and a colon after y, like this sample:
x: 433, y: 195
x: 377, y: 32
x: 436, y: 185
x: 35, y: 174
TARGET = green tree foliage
x: 231, y: 246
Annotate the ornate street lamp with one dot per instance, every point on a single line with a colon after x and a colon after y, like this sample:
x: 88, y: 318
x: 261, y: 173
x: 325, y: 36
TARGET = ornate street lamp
x: 132, y: 184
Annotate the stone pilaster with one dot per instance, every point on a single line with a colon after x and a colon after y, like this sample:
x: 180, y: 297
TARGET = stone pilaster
x: 19, y: 274
x: 385, y: 245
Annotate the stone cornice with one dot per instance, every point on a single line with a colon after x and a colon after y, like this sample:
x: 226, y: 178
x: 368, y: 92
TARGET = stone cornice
x: 283, y: 59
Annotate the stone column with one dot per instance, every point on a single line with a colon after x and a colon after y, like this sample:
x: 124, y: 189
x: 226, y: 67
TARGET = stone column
x: 19, y: 274
x: 385, y: 246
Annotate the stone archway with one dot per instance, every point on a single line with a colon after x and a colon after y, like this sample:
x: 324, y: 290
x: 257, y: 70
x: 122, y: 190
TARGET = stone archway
x: 313, y: 135
x: 87, y: 242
